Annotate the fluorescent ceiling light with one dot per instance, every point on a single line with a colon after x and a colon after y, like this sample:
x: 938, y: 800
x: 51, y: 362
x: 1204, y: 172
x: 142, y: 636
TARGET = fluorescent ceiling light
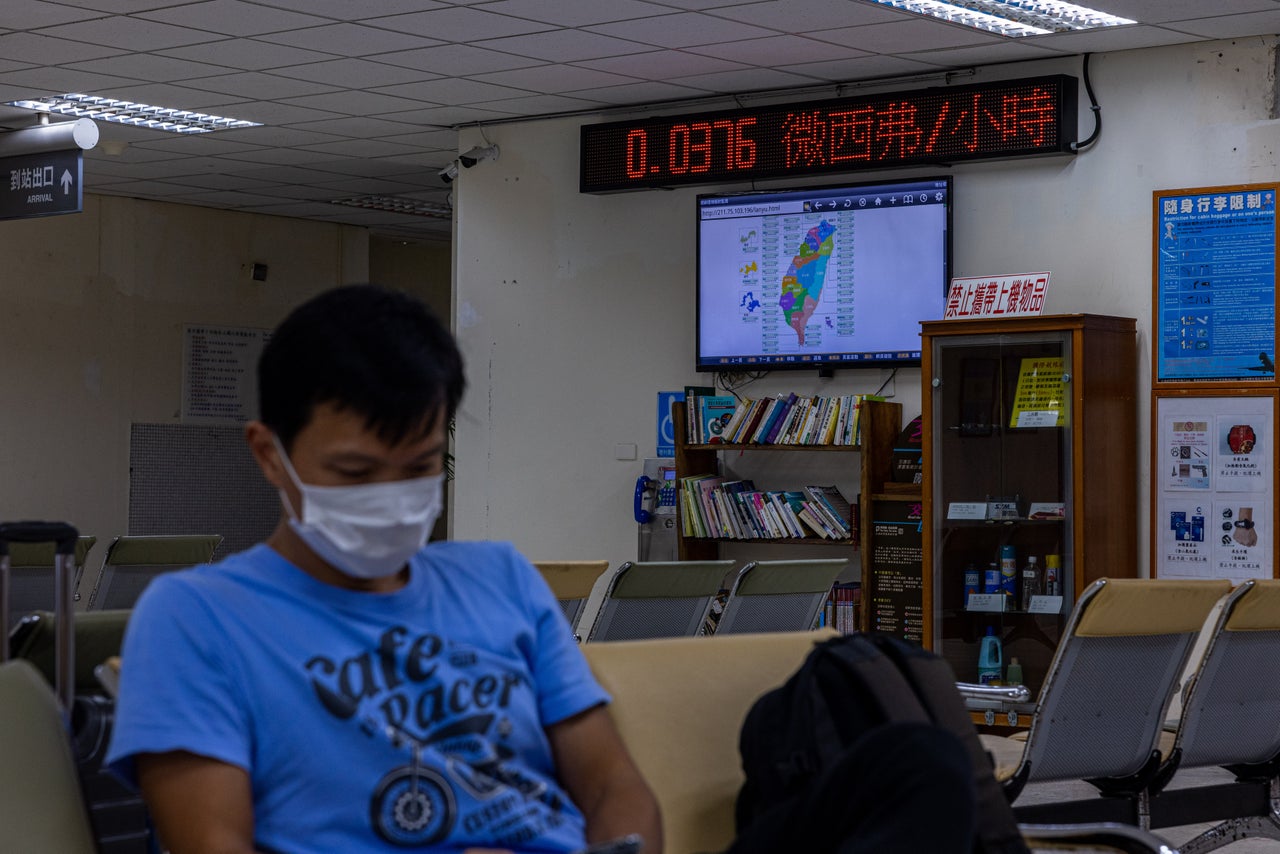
x: 128, y: 113
x: 1012, y: 17
x: 437, y: 210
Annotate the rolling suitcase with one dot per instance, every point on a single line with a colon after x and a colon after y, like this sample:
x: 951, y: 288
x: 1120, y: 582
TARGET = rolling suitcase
x: 116, y: 812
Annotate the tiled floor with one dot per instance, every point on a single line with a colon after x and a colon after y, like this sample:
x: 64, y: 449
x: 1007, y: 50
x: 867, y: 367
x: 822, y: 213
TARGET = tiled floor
x: 1038, y: 793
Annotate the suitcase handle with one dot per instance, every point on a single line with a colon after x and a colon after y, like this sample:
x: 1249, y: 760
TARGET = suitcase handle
x: 64, y: 536
x: 61, y: 533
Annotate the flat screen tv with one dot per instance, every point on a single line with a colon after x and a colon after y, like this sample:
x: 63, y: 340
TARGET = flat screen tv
x: 821, y: 277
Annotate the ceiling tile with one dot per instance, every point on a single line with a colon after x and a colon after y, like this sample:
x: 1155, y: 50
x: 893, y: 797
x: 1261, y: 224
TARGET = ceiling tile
x: 247, y: 54
x: 536, y: 105
x: 302, y: 193
x: 796, y: 16
x: 383, y: 168
x: 132, y: 156
x: 576, y: 13
x: 362, y: 148
x: 1230, y: 26
x: 33, y: 14
x: 351, y: 39
x: 900, y: 36
x: 457, y: 60
x: 555, y: 78
x: 661, y: 64
x: 452, y: 91
x: 46, y: 50
x: 297, y: 209
x: 234, y: 18
x: 565, y: 46
x: 149, y: 66
x: 277, y: 113
x: 962, y: 57
x: 427, y: 139
x: 288, y: 175
x: 682, y: 30
x: 354, y: 10
x: 229, y: 198
x: 363, y: 186
x: 146, y: 189
x: 697, y: 5
x: 356, y: 73
x: 428, y: 161
x: 861, y: 68
x: 779, y: 50
x: 460, y: 25
x: 130, y: 33
x: 197, y: 145
x: 446, y: 117
x: 357, y: 103
x: 10, y: 65
x: 162, y: 170
x: 122, y: 7
x: 280, y: 156
x: 222, y: 181
x: 359, y: 127
x: 641, y: 93
x: 177, y: 97
x: 749, y: 80
x: 54, y: 80
x: 278, y: 136
x: 259, y: 86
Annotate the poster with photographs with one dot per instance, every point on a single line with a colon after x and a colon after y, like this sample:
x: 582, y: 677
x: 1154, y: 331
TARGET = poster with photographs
x: 1214, y: 478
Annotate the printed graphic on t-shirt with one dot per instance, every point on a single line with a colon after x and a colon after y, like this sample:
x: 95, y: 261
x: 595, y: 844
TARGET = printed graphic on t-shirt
x: 451, y: 710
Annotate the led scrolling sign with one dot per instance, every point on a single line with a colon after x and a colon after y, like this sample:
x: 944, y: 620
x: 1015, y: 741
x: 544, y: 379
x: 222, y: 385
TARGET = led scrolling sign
x: 1012, y: 118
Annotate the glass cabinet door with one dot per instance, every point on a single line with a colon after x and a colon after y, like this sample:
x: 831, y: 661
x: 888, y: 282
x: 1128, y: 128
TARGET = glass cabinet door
x: 1002, y: 502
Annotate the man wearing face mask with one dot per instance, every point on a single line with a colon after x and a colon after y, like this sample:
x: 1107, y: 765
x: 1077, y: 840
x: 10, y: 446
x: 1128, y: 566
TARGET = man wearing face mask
x: 344, y: 687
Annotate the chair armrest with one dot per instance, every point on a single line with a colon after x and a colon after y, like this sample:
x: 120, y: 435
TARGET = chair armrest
x: 1117, y: 837
x: 1007, y: 693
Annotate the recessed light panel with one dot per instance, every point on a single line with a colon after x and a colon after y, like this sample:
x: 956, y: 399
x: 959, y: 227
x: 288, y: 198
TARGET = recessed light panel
x: 129, y: 113
x: 1011, y: 17
x: 439, y: 210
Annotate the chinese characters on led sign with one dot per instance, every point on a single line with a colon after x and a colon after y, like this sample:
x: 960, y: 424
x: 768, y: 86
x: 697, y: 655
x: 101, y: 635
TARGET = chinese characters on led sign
x: 1006, y: 119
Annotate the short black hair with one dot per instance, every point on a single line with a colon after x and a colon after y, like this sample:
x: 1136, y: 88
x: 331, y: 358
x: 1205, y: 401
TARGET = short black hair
x: 375, y: 351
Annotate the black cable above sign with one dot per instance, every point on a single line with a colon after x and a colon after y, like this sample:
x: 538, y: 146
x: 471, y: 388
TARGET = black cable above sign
x: 1004, y: 119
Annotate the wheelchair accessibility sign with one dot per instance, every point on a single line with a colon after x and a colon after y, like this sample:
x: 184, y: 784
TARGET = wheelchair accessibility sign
x: 666, y: 423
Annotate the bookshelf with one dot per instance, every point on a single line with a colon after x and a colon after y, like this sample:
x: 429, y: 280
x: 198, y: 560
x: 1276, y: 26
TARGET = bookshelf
x: 880, y: 424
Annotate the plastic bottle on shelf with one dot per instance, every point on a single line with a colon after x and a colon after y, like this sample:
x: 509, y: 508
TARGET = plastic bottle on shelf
x: 1053, y: 575
x: 971, y: 582
x: 990, y: 658
x: 1032, y: 583
x: 1014, y: 674
x: 991, y: 579
x: 1009, y: 576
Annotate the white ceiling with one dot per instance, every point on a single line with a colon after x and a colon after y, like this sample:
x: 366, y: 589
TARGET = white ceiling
x: 362, y: 97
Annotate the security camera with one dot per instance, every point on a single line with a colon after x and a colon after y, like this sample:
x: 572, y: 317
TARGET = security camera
x: 448, y: 173
x: 475, y: 155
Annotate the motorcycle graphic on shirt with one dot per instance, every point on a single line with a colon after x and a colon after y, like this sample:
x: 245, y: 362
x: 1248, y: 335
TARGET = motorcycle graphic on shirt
x: 450, y: 710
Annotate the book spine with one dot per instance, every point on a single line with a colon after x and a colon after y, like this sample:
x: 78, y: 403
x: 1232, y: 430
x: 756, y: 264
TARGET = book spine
x: 731, y: 429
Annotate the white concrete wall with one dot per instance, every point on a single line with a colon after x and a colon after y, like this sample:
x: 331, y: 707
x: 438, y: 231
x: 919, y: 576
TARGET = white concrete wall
x: 574, y: 310
x: 92, y: 307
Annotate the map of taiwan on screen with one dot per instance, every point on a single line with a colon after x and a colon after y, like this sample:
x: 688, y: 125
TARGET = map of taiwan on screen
x: 802, y: 284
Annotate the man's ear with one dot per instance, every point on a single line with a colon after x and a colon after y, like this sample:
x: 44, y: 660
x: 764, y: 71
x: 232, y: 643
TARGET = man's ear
x: 260, y: 438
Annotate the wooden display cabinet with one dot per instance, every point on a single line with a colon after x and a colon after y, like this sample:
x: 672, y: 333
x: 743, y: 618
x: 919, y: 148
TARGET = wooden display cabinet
x: 1034, y: 414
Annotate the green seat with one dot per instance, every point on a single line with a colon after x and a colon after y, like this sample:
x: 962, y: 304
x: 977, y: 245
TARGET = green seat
x: 133, y: 561
x: 656, y: 599
x: 98, y: 636
x: 41, y: 806
x: 779, y: 595
x: 31, y: 575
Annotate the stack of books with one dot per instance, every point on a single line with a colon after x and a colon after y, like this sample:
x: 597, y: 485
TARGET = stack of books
x: 783, y: 420
x: 843, y: 603
x: 714, y: 507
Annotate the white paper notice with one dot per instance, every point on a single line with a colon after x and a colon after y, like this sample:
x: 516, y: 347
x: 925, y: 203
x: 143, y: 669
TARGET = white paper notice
x: 1045, y: 605
x: 1187, y: 457
x: 986, y: 602
x: 1242, y: 547
x: 219, y: 373
x: 1243, y: 461
x: 1041, y: 418
x: 967, y: 510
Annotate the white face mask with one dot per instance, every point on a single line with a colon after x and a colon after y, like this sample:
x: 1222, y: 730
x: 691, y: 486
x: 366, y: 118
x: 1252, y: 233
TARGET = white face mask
x: 369, y: 530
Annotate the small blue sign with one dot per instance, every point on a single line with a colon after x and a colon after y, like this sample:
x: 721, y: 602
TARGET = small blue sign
x: 666, y: 423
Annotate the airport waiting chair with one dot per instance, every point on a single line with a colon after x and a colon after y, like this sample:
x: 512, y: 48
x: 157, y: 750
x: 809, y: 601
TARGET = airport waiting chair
x: 31, y: 576
x: 98, y: 635
x: 132, y: 562
x: 655, y: 599
x: 1102, y: 707
x: 778, y: 595
x: 1230, y: 718
x: 41, y: 805
x: 679, y: 704
x: 572, y: 581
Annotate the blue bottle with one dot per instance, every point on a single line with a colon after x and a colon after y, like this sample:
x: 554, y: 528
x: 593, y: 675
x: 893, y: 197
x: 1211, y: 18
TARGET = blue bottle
x: 990, y: 658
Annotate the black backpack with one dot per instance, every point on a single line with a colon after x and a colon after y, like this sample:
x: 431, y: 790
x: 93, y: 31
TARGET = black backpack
x: 846, y: 686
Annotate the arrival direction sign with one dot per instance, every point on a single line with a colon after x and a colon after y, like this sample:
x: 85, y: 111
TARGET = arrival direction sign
x: 43, y: 184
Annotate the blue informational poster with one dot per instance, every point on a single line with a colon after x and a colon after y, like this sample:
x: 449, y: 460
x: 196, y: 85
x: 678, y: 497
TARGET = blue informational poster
x: 1215, y: 255
x: 666, y: 424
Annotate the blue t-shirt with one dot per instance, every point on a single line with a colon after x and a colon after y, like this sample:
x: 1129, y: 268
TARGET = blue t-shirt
x: 367, y: 722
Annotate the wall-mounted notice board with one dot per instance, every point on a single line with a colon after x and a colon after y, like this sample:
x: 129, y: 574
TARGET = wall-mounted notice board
x: 1214, y: 292
x: 1213, y: 472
